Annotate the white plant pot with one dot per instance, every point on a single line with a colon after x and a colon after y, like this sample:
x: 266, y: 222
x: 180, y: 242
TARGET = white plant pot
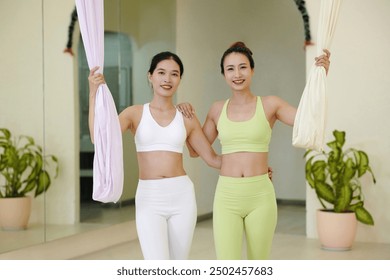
x: 336, y: 231
x: 15, y: 212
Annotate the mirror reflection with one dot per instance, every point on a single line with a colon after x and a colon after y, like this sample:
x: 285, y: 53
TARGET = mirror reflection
x: 21, y: 113
x: 44, y: 94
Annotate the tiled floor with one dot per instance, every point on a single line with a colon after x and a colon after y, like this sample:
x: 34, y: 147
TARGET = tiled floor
x: 290, y: 242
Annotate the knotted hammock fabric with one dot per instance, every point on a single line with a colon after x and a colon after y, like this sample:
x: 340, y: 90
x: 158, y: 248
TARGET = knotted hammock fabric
x: 309, y: 125
x: 108, y: 158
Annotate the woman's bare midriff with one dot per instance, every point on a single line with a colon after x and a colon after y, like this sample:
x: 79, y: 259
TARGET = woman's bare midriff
x: 160, y: 164
x: 244, y: 164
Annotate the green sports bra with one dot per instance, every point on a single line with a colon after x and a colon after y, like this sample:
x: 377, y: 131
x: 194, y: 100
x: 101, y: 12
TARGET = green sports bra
x: 252, y: 135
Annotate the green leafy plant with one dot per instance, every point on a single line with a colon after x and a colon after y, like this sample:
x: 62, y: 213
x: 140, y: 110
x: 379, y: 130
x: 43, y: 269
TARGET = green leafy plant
x: 335, y: 177
x: 23, y: 166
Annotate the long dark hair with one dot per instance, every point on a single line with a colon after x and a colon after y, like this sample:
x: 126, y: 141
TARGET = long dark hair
x: 238, y: 47
x: 164, y: 56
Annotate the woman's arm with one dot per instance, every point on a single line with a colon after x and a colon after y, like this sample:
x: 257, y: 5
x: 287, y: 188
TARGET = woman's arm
x: 188, y: 111
x: 126, y: 117
x: 286, y: 113
x: 209, y: 127
x: 210, y: 124
x: 129, y: 116
x: 199, y: 143
x: 94, y: 81
x: 278, y: 109
x: 191, y: 150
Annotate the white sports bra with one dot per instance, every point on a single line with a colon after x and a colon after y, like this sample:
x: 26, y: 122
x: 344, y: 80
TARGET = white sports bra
x: 150, y: 136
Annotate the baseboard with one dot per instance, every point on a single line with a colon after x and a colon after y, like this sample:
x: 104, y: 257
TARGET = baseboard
x: 204, y: 217
x: 290, y: 202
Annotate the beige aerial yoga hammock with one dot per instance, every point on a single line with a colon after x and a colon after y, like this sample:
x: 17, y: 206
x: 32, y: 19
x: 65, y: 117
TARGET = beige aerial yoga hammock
x: 309, y: 125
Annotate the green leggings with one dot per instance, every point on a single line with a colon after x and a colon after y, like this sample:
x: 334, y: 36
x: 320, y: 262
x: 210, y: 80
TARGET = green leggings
x: 244, y: 204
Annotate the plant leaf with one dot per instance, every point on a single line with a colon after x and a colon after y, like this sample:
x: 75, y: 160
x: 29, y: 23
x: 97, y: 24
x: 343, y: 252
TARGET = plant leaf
x: 354, y: 206
x: 349, y: 171
x: 318, y: 171
x: 308, y: 168
x: 6, y: 133
x: 30, y: 186
x: 343, y: 199
x: 43, y: 183
x: 335, y: 165
x: 21, y: 165
x: 364, y: 216
x: 363, y: 163
x: 340, y: 137
x: 325, y: 192
x: 372, y: 174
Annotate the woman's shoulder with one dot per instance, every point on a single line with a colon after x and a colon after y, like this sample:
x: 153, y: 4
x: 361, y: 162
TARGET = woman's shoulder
x: 137, y: 107
x: 271, y: 100
x: 217, y: 105
x: 130, y: 117
x: 132, y: 110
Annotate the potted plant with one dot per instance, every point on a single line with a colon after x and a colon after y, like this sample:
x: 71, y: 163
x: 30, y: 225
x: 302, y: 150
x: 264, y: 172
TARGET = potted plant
x: 335, y: 176
x: 23, y: 170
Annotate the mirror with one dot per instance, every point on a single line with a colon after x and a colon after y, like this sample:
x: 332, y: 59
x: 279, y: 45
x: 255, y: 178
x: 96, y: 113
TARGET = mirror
x: 44, y: 93
x: 22, y: 101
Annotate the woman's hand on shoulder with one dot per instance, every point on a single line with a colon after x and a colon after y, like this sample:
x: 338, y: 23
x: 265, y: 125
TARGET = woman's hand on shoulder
x: 186, y: 109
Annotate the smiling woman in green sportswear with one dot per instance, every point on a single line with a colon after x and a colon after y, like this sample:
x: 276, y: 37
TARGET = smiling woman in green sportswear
x: 245, y: 197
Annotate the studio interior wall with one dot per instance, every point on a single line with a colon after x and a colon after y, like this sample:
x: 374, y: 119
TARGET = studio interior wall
x: 358, y: 87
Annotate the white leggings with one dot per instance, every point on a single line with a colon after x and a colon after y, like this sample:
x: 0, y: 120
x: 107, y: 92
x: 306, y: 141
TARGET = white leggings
x: 165, y: 217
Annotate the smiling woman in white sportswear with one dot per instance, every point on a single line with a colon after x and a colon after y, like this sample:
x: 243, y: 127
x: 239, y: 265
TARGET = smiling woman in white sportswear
x: 165, y: 199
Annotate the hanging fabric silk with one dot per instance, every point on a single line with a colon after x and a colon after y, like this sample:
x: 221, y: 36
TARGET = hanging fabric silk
x: 309, y: 125
x: 108, y: 158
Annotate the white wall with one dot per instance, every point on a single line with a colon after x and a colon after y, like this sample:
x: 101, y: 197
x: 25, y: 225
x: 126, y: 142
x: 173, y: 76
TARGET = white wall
x: 359, y: 101
x: 274, y: 32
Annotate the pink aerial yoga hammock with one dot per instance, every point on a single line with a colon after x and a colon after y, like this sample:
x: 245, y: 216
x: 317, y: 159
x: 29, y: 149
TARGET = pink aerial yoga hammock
x: 108, y: 159
x: 309, y: 125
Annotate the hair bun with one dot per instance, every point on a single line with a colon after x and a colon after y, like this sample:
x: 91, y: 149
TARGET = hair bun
x: 241, y: 45
x: 237, y: 47
x: 238, y: 44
